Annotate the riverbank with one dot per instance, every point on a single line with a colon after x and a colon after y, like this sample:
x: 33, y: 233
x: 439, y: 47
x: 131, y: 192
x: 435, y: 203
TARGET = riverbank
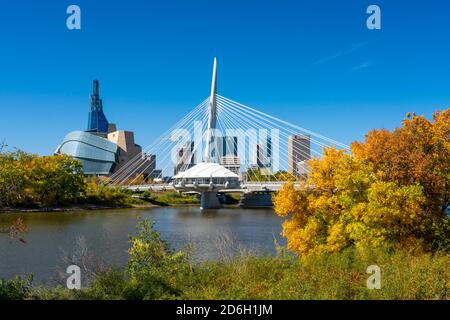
x: 154, y: 271
x: 30, y: 183
x: 72, y: 208
x: 128, y: 201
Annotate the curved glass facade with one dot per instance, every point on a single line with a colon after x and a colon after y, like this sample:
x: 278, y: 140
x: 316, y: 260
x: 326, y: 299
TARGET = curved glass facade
x: 98, y: 155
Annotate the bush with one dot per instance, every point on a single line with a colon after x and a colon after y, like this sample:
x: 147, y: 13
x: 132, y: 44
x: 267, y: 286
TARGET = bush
x: 16, y: 289
x: 333, y: 276
x: 98, y: 193
x: 156, y: 272
x: 170, y: 197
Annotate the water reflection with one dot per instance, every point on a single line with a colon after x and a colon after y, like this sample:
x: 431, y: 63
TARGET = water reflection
x: 106, y: 234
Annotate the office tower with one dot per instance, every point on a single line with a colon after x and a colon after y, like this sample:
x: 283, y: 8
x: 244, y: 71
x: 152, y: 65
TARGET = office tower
x: 299, y: 151
x: 262, y: 154
x: 229, y: 146
x: 185, y: 157
x: 232, y: 163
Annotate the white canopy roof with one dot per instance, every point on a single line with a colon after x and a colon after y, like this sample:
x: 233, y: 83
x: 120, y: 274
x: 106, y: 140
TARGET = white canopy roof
x: 206, y: 170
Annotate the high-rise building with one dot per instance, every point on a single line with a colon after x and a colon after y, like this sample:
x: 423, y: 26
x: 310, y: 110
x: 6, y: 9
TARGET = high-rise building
x: 302, y: 168
x: 229, y: 146
x: 262, y: 154
x: 185, y: 157
x: 299, y: 151
x: 232, y: 163
x: 229, y: 154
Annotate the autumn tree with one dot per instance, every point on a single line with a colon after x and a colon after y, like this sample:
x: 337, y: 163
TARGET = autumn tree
x: 376, y: 196
x: 32, y: 180
x: 55, y: 180
x: 416, y: 153
x: 12, y: 178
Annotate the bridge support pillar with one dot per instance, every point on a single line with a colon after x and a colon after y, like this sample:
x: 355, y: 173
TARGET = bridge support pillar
x: 209, y: 200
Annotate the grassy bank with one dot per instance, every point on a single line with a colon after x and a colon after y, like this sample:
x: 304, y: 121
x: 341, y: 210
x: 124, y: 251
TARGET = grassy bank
x: 168, y: 198
x: 32, y: 183
x: 156, y: 272
x: 95, y: 197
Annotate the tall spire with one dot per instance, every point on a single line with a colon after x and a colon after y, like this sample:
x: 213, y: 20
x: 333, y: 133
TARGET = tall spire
x: 96, y: 102
x: 96, y: 89
x: 212, y: 117
x: 97, y: 121
x: 212, y: 99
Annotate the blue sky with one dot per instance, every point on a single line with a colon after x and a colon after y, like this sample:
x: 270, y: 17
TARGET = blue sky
x: 313, y: 63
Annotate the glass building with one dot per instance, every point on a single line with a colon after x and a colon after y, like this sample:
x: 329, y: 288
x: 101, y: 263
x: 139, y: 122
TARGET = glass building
x: 98, y: 155
x: 97, y: 121
x: 102, y: 149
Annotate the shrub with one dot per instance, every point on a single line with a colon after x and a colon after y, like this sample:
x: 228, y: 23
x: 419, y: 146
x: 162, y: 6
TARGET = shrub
x: 170, y: 197
x: 16, y: 289
x: 156, y: 272
x: 101, y: 194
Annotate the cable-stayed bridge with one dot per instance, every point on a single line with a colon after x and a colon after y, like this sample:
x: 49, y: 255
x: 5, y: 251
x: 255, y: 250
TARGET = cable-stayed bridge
x: 224, y: 146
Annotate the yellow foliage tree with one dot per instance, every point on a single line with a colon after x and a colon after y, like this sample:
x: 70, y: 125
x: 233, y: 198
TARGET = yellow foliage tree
x: 368, y: 199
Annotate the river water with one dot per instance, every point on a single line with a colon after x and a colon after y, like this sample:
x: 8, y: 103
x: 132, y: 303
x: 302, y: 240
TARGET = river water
x: 103, y: 235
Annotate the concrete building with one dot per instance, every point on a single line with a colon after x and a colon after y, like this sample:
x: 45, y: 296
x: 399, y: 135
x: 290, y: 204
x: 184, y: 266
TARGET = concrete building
x: 128, y: 150
x: 156, y: 175
x: 302, y: 168
x: 299, y: 151
x: 232, y: 163
x: 103, y: 149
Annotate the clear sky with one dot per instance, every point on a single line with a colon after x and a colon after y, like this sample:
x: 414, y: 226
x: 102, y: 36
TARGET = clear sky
x: 313, y: 63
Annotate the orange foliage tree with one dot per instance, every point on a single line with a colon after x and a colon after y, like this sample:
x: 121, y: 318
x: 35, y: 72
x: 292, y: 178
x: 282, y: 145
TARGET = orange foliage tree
x: 416, y: 153
x: 392, y: 190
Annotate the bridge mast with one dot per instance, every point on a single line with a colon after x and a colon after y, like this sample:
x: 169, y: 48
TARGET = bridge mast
x: 212, y: 117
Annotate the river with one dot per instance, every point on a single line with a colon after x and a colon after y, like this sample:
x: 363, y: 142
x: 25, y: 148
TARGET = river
x: 54, y: 237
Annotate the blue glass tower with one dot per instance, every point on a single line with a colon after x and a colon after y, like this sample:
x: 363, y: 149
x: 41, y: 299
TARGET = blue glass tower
x: 97, y: 121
